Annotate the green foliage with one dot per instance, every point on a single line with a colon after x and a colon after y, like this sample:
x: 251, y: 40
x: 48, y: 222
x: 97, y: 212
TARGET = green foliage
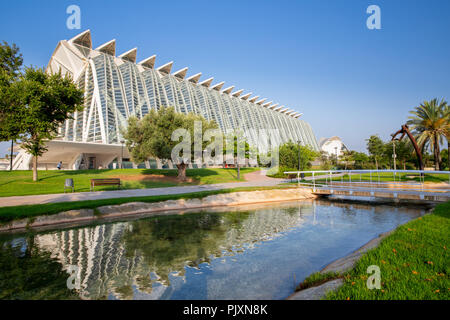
x: 31, y: 274
x: 444, y: 157
x: 375, y: 146
x: 10, y: 59
x: 289, y: 156
x: 46, y: 102
x: 33, y: 104
x: 10, y: 63
x: 151, y: 136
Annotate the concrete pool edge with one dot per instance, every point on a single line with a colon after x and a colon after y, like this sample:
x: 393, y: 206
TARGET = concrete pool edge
x: 106, y: 213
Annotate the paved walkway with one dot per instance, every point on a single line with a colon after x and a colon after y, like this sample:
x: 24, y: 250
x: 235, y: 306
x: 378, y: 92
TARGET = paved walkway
x: 254, y: 179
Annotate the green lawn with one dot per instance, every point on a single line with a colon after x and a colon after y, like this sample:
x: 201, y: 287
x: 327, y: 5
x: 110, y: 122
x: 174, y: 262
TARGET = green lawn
x: 18, y: 183
x: 414, y: 263
x: 29, y: 211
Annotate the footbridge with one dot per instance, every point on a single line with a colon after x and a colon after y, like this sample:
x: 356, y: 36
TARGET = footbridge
x: 395, y: 184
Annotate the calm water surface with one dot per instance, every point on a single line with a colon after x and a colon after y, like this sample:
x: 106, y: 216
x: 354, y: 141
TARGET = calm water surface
x: 249, y: 253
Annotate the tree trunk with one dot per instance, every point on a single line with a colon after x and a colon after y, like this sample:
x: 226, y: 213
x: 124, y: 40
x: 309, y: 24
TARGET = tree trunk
x: 181, y: 172
x: 404, y: 165
x: 448, y: 154
x: 35, y: 165
x: 436, y: 153
x: 376, y: 162
x: 238, y: 171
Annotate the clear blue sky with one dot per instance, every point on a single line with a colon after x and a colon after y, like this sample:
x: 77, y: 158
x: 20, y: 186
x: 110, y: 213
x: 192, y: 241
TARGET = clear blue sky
x: 317, y: 57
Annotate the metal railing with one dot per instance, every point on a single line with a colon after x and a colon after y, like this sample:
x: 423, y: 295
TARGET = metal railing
x: 374, y: 180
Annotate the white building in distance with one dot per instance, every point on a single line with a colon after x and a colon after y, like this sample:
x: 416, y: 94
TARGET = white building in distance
x: 332, y: 146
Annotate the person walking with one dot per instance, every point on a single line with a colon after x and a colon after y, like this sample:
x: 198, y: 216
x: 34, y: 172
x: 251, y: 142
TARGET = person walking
x: 59, y: 166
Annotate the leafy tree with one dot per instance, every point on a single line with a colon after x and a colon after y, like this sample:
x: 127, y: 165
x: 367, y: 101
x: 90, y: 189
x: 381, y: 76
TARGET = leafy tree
x: 325, y: 160
x: 375, y: 146
x: 10, y: 62
x: 46, y: 101
x: 151, y: 136
x: 445, y: 159
x: 240, y: 149
x: 430, y: 123
x: 446, y: 116
x: 289, y: 156
x: 347, y: 157
x: 403, y: 151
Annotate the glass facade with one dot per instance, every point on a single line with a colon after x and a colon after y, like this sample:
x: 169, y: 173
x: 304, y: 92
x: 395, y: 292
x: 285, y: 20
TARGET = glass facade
x: 116, y: 89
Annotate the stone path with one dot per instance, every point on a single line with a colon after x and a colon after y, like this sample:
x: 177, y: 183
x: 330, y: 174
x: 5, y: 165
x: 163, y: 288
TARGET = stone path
x: 254, y: 179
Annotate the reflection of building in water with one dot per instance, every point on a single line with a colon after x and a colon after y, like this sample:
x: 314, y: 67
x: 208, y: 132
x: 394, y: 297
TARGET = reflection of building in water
x: 122, y: 258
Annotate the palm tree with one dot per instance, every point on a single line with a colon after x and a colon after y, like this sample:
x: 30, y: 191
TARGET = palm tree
x: 446, y: 115
x: 430, y: 124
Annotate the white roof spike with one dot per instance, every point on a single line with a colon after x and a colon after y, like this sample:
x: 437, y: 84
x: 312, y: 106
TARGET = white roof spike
x: 298, y: 116
x: 279, y: 108
x: 261, y: 101
x: 237, y: 93
x: 129, y: 55
x: 180, y: 73
x: 246, y: 96
x: 108, y: 47
x: 267, y: 104
x: 149, y: 62
x: 207, y: 82
x: 273, y: 106
x: 253, y: 99
x: 165, y: 68
x: 290, y: 112
x: 218, y: 86
x: 284, y: 110
x: 228, y: 90
x: 83, y: 39
x: 194, y: 78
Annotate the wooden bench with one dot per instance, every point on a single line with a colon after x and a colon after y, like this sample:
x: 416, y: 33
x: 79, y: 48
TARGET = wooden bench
x: 105, y: 182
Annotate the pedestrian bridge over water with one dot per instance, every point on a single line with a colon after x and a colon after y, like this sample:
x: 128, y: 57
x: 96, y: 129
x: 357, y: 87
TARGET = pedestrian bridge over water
x: 395, y: 184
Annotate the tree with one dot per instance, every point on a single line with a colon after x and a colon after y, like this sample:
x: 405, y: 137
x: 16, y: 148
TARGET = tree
x: 239, y: 149
x: 10, y: 62
x: 375, y: 146
x: 151, y: 136
x: 446, y: 116
x: 46, y: 102
x: 325, y: 160
x: 361, y: 160
x: 347, y: 156
x: 403, y: 151
x: 289, y: 156
x: 430, y: 122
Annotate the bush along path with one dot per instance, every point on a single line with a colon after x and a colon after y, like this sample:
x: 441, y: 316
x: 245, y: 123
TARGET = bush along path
x: 414, y: 263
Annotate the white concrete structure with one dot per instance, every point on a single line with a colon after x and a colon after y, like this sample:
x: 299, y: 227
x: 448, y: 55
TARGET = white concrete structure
x: 332, y: 146
x: 116, y: 87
